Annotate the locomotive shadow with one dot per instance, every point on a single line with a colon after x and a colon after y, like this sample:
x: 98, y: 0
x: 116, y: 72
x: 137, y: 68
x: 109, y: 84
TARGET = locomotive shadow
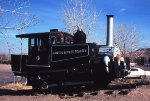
x: 4, y: 92
x: 75, y: 91
x: 123, y: 89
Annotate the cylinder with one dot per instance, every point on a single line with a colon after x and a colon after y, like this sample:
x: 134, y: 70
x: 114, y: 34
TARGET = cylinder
x: 110, y: 31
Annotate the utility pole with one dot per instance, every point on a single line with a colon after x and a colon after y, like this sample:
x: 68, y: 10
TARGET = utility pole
x: 9, y: 57
x: 124, y: 54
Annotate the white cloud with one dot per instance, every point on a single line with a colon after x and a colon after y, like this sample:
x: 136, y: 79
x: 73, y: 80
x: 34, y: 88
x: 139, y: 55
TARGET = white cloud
x: 122, y: 10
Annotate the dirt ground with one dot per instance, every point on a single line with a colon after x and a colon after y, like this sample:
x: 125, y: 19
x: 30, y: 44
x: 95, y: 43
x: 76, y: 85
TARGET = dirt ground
x: 125, y: 90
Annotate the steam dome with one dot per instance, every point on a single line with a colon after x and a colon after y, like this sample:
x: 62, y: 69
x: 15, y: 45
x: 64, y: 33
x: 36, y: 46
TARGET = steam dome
x: 79, y: 37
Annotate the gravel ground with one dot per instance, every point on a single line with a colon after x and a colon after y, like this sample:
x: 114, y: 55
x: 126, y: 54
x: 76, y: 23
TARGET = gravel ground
x: 6, y: 75
x: 125, y: 90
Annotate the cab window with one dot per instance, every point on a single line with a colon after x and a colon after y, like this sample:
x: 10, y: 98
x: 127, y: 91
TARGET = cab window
x: 60, y: 38
x: 38, y: 43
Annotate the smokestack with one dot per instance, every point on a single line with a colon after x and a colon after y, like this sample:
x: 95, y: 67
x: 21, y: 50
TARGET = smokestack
x: 110, y: 31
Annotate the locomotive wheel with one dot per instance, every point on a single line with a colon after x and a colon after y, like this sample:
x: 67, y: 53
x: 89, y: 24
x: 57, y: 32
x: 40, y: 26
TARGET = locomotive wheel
x: 101, y: 80
x: 101, y: 75
x: 34, y: 82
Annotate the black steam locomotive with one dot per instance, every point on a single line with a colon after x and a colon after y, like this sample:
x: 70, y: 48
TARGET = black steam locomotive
x: 57, y: 57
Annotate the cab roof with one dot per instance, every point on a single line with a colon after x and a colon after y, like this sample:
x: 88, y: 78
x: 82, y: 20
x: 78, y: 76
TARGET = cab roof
x: 41, y: 34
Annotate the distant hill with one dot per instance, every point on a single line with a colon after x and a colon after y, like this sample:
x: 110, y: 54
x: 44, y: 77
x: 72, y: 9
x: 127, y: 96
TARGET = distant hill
x: 143, y: 52
x: 143, y: 49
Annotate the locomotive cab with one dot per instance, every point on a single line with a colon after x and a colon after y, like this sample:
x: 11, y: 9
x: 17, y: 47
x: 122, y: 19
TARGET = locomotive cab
x: 39, y: 50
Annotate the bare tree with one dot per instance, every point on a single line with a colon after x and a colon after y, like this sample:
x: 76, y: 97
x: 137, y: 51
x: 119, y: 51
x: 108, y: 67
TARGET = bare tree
x: 79, y: 14
x: 126, y: 38
x: 14, y: 15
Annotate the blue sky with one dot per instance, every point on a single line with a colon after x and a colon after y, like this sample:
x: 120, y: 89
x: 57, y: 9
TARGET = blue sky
x: 129, y: 12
